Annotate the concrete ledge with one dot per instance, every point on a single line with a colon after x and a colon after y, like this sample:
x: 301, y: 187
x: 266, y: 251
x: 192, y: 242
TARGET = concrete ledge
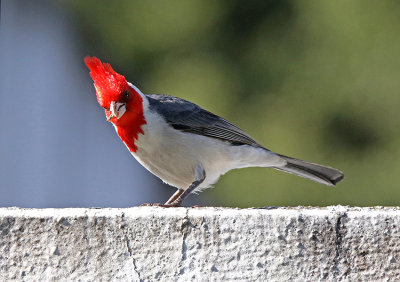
x: 183, y: 244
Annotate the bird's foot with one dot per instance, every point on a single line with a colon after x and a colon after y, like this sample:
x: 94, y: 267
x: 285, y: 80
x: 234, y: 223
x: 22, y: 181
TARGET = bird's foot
x: 173, y: 205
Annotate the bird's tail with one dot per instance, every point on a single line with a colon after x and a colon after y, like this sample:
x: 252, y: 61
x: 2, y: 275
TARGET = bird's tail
x: 319, y: 173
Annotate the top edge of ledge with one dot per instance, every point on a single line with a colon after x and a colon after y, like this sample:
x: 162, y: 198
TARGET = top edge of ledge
x: 184, y: 211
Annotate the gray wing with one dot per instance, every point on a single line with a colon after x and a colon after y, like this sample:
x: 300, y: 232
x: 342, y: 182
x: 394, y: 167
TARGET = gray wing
x: 188, y: 117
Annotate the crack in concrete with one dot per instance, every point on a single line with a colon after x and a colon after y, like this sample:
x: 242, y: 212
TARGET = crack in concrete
x: 340, y: 228
x: 128, y: 246
x: 185, y: 232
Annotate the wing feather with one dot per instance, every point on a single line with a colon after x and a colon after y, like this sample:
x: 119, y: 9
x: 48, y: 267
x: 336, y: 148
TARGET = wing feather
x: 188, y: 117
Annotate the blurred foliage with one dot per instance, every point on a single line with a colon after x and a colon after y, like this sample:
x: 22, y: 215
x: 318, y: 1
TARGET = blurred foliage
x: 317, y: 80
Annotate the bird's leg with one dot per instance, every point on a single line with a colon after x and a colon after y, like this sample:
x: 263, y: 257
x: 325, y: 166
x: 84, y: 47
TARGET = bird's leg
x: 176, y: 200
x: 174, y: 196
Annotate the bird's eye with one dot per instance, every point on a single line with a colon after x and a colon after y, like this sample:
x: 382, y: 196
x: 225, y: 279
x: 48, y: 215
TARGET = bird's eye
x: 126, y: 95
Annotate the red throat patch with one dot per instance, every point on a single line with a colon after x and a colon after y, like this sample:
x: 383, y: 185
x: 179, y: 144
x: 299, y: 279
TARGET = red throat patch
x: 107, y: 82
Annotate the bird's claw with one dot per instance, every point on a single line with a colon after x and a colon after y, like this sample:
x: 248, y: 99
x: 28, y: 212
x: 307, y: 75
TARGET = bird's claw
x: 173, y: 205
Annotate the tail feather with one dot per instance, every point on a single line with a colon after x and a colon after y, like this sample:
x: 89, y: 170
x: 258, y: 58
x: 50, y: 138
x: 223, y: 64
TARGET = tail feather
x: 319, y: 173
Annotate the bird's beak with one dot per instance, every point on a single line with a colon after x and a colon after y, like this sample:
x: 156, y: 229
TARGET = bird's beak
x: 117, y: 110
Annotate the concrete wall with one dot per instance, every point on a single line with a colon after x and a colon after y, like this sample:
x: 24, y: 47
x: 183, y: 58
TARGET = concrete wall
x: 182, y: 244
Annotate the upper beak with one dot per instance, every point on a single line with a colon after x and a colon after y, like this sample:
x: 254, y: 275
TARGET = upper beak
x: 117, y: 110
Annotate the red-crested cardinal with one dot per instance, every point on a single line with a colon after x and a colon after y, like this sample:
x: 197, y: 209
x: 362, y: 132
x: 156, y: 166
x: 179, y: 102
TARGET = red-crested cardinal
x: 183, y: 144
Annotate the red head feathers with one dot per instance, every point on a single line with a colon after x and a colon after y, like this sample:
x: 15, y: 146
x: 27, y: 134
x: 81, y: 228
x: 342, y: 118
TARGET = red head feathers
x: 109, y: 84
x: 112, y: 87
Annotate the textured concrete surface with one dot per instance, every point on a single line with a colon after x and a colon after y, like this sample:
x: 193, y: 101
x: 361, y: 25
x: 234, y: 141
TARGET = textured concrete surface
x: 200, y: 244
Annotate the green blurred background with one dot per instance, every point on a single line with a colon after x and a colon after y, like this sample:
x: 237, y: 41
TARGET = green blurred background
x: 316, y: 80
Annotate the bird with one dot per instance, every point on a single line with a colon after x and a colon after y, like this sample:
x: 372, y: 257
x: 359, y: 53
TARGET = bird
x: 183, y: 144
